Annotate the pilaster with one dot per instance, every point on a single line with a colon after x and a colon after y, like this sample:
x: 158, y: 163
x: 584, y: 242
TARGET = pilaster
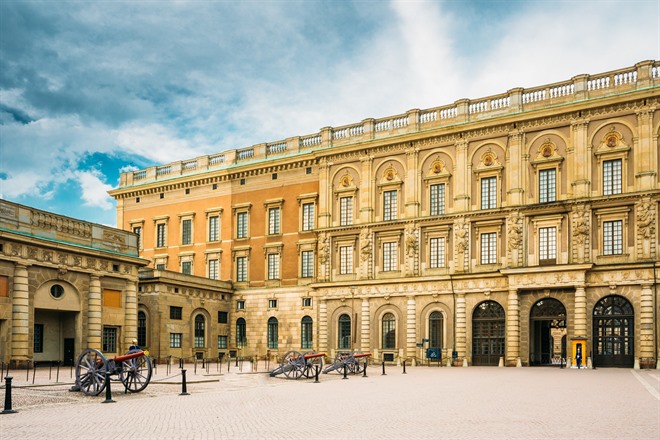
x: 580, y: 329
x: 461, y: 326
x: 20, y: 328
x: 411, y: 328
x: 512, y: 328
x: 580, y: 159
x: 646, y: 343
x: 366, y: 189
x: 514, y: 170
x: 323, y: 326
x: 130, y: 320
x: 94, y: 314
x: 462, y: 173
x: 413, y: 177
x: 645, y: 151
x: 365, y: 339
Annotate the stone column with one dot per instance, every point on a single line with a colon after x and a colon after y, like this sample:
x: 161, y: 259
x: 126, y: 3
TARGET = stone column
x: 462, y: 180
x: 413, y: 177
x: 461, y: 326
x: 512, y: 328
x: 514, y: 169
x: 366, y: 189
x: 20, y: 329
x: 130, y: 319
x: 411, y: 328
x: 323, y: 326
x: 325, y: 195
x: 365, y: 327
x: 646, y: 342
x: 94, y: 313
x: 580, y: 328
x: 580, y: 171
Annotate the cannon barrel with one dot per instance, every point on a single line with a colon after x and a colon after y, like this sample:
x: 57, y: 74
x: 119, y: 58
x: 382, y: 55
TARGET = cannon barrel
x: 313, y: 355
x: 128, y: 356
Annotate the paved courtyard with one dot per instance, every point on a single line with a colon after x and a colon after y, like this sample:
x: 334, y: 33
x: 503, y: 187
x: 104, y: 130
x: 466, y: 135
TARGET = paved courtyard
x: 425, y: 403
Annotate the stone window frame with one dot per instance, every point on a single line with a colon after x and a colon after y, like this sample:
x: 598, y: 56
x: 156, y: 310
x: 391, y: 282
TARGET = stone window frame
x: 138, y: 223
x: 339, y: 242
x: 161, y: 259
x: 213, y: 254
x: 546, y: 221
x: 487, y: 227
x: 605, y: 152
x: 438, y: 175
x: 547, y: 158
x: 307, y: 199
x: 242, y: 208
x: 270, y: 250
x: 445, y: 232
x: 213, y: 213
x: 164, y: 221
x: 183, y: 217
x: 270, y: 206
x: 307, y: 246
x: 620, y: 213
x: 382, y: 335
x: 388, y: 237
x: 187, y: 257
x: 242, y: 252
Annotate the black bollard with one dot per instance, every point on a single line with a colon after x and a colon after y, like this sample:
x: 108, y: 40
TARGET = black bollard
x: 364, y: 372
x: 236, y: 360
x: 316, y: 376
x: 228, y: 363
x: 2, y: 374
x: 34, y: 370
x: 8, y: 409
x: 195, y: 360
x: 108, y: 392
x: 27, y: 371
x: 57, y: 377
x: 404, y: 367
x: 50, y: 370
x: 383, y: 369
x: 184, y: 389
x: 345, y: 371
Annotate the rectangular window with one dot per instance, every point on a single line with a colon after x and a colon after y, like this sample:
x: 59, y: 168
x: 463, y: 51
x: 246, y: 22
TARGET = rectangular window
x: 222, y: 342
x: 273, y: 266
x: 547, y: 245
x: 346, y: 211
x: 186, y: 231
x: 307, y: 302
x: 306, y: 333
x: 176, y: 312
x: 613, y: 237
x: 437, y: 253
x: 111, y: 298
x: 213, y: 269
x: 437, y: 199
x: 307, y: 216
x: 109, y: 339
x: 160, y: 235
x: 489, y: 248
x: 272, y: 303
x: 390, y: 206
x: 186, y: 267
x: 345, y: 260
x: 240, y: 305
x: 307, y: 264
x: 38, y: 338
x: 390, y: 256
x: 241, y: 269
x: 489, y: 193
x: 547, y: 185
x: 273, y: 221
x: 612, y: 177
x: 175, y: 340
x: 137, y: 230
x: 160, y: 266
x: 242, y: 225
x: 272, y: 333
x: 214, y: 223
x: 223, y: 317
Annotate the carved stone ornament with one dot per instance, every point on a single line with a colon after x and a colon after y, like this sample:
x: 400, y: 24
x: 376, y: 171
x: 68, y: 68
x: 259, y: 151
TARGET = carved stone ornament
x: 365, y: 244
x: 580, y: 223
x: 514, y: 231
x: 461, y: 233
x: 646, y: 219
x: 323, y: 248
x: 346, y: 180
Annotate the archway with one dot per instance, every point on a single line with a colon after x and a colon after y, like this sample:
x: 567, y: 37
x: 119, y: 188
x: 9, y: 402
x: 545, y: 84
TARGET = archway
x: 614, y: 332
x: 487, y: 333
x: 547, y: 328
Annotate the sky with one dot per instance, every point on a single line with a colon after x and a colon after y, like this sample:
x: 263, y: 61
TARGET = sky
x: 91, y: 89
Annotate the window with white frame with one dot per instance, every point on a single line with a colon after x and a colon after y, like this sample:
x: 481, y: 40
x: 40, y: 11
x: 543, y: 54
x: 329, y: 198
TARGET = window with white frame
x: 200, y: 331
x: 161, y: 230
x: 222, y: 342
x: 390, y: 256
x: 437, y: 202
x: 186, y: 231
x: 548, y: 245
x: 175, y: 340
x: 214, y: 228
x: 613, y: 237
x: 345, y: 260
x: 390, y: 205
x: 612, y: 177
x: 273, y: 221
x: 137, y: 230
x: 186, y: 267
x: 214, y: 269
x: 436, y: 252
x: 489, y: 192
x: 273, y: 266
x: 307, y: 216
x: 307, y: 264
x: 346, y: 211
x: 242, y: 225
x: 489, y: 248
x: 241, y: 269
x: 547, y: 185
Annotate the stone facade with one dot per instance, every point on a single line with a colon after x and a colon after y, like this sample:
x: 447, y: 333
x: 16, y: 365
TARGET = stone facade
x: 519, y: 228
x: 65, y: 285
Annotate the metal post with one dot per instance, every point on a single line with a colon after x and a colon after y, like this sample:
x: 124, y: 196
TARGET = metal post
x: 228, y: 362
x: 8, y: 409
x: 50, y: 370
x: 27, y: 371
x: 2, y: 374
x: 34, y: 370
x: 57, y: 377
x: 364, y: 372
x: 108, y: 393
x: 195, y: 362
x: 404, y: 366
x: 345, y: 371
x: 184, y: 389
x: 383, y: 369
x: 316, y: 376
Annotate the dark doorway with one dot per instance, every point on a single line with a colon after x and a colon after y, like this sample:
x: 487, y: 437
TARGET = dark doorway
x: 547, y: 328
x: 614, y: 330
x: 487, y: 333
x: 69, y: 351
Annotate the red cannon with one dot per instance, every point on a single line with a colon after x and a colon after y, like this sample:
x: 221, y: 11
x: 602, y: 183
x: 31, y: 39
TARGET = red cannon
x: 295, y: 364
x: 133, y: 370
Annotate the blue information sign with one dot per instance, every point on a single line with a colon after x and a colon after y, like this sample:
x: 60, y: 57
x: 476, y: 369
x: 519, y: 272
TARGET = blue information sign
x: 433, y: 353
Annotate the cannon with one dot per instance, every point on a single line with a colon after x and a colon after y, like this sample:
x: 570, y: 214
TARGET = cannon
x: 133, y: 369
x: 294, y: 364
x: 350, y: 360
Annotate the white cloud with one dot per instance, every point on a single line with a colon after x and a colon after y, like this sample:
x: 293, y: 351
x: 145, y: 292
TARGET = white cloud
x: 94, y: 190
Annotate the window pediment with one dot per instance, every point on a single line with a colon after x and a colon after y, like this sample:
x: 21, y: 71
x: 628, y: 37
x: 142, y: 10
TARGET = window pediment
x: 547, y: 153
x: 613, y: 142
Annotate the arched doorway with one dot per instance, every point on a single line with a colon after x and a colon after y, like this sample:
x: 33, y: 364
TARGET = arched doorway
x: 547, y: 332
x: 487, y: 333
x: 435, y: 330
x: 614, y: 330
x: 344, y: 332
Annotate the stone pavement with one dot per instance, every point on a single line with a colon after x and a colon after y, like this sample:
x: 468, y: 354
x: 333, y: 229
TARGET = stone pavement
x: 425, y: 403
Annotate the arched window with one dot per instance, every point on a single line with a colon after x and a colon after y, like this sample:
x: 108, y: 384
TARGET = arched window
x: 389, y: 331
x: 200, y: 324
x: 344, y: 333
x: 272, y: 332
x: 142, y: 329
x: 306, y: 332
x: 614, y: 332
x: 435, y: 330
x: 241, y: 336
x: 487, y: 333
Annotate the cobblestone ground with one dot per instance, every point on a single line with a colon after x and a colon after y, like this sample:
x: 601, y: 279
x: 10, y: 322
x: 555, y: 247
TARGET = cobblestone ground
x: 427, y: 402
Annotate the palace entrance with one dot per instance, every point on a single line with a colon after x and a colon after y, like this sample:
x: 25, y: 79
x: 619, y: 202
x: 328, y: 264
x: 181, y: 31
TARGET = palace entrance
x: 487, y: 333
x: 547, y: 328
x: 614, y: 329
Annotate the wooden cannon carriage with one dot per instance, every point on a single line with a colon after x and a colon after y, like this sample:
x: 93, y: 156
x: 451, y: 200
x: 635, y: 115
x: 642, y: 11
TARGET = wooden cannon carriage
x: 295, y: 364
x: 133, y: 370
x: 351, y: 361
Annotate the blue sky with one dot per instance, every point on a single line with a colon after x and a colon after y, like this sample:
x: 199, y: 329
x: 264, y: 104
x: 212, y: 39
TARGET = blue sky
x: 88, y: 89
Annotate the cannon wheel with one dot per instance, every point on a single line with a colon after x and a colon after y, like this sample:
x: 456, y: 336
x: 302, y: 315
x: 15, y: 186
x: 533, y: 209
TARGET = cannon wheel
x: 90, y: 372
x: 310, y: 365
x: 293, y: 364
x: 135, y: 373
x: 340, y: 360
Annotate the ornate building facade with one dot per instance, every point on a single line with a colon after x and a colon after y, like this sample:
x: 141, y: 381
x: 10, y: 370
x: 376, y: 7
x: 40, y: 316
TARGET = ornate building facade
x: 514, y: 229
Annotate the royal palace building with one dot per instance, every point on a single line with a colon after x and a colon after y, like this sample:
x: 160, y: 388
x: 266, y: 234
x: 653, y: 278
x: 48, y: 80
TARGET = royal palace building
x: 515, y: 229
